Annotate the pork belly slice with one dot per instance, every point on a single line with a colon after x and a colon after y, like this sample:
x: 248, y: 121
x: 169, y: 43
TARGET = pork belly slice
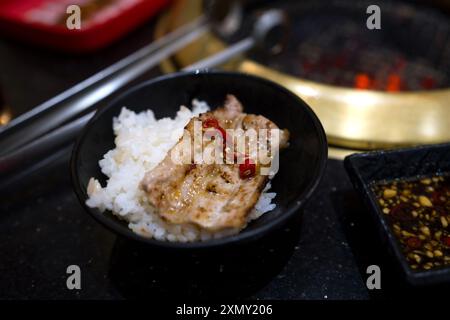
x: 212, y: 196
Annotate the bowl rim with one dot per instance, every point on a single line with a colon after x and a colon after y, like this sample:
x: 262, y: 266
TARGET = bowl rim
x: 241, y: 237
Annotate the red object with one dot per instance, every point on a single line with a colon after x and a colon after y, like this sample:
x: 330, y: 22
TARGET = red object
x: 213, y: 123
x: 224, y: 135
x: 394, y: 83
x: 362, y: 81
x: 247, y: 169
x: 210, y: 123
x: 102, y: 22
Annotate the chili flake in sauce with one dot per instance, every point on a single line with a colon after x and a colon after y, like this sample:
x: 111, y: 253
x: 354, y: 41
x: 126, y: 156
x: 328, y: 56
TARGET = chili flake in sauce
x: 418, y: 211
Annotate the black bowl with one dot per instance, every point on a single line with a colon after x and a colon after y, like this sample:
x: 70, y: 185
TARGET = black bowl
x: 301, y: 165
x: 367, y: 169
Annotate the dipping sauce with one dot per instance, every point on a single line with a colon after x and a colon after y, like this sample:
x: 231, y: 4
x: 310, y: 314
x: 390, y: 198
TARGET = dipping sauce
x: 418, y: 211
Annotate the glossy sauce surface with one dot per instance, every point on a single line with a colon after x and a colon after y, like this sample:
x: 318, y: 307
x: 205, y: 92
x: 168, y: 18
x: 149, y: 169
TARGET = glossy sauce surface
x: 418, y: 211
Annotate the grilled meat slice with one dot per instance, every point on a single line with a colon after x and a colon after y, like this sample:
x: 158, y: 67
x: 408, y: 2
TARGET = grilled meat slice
x: 212, y: 196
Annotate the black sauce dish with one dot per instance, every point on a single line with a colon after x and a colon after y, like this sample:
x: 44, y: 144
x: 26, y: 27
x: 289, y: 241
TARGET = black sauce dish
x: 301, y: 165
x: 367, y: 169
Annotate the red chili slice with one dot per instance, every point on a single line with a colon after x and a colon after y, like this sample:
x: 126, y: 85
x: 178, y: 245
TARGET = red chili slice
x: 223, y: 133
x: 210, y: 123
x: 414, y: 242
x: 247, y: 169
x: 225, y: 140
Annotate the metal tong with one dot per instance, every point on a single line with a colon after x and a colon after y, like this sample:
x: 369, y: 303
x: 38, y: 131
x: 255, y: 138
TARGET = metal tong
x: 55, y: 123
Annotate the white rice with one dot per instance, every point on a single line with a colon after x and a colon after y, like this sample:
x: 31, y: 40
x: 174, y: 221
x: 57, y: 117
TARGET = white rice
x: 141, y: 143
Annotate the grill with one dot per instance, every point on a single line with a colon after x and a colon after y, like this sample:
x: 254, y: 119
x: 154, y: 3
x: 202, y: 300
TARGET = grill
x: 329, y: 44
x: 370, y: 88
